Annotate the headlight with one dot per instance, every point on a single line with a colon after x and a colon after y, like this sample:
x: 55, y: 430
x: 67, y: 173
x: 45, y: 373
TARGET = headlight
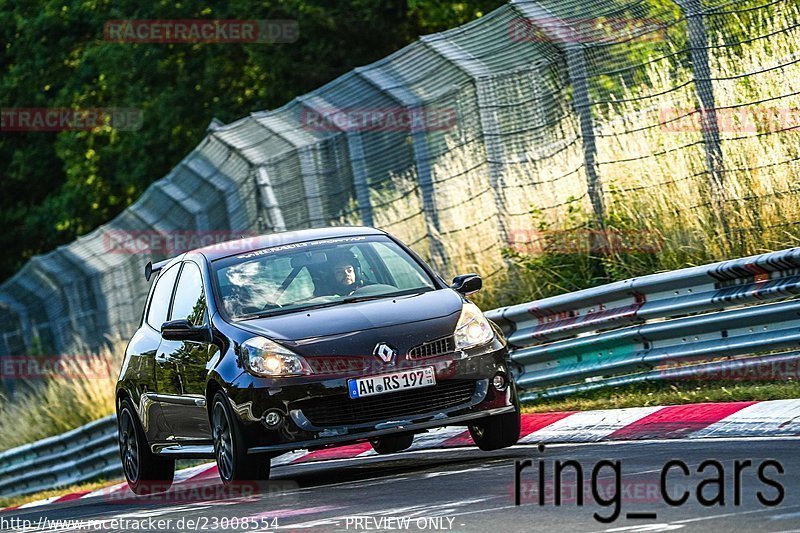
x: 266, y: 358
x: 473, y: 329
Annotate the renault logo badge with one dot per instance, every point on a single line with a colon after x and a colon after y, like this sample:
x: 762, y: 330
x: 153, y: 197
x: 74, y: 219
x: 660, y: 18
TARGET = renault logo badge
x: 385, y: 352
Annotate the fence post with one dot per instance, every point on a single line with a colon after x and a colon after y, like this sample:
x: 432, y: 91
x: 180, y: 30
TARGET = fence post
x: 698, y: 48
x: 490, y: 129
x: 269, y: 202
x: 385, y: 83
x: 422, y: 159
x: 7, y: 350
x: 567, y: 40
x: 576, y: 67
x: 701, y: 72
x: 308, y: 166
x: 355, y: 151
x: 28, y: 284
x: 5, y: 353
x: 302, y: 143
x: 359, y: 169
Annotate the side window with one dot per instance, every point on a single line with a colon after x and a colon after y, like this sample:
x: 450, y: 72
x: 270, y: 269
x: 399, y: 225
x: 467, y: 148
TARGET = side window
x: 190, y: 300
x: 159, y: 303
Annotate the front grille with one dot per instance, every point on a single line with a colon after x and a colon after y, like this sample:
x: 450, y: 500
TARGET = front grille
x: 342, y: 410
x: 432, y: 349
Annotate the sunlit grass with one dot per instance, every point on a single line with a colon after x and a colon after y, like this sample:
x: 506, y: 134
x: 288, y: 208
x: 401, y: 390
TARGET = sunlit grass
x: 662, y: 201
x: 79, y: 392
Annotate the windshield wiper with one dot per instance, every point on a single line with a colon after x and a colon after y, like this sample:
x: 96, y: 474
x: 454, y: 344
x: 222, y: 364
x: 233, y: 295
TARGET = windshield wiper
x: 347, y: 300
x: 368, y: 297
x: 267, y: 314
x: 355, y: 299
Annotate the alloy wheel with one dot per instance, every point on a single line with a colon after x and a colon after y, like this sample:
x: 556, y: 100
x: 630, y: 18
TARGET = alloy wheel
x: 128, y: 445
x: 223, y: 442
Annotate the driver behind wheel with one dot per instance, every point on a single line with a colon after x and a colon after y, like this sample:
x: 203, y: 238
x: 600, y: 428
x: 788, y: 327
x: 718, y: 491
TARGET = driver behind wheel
x: 346, y: 273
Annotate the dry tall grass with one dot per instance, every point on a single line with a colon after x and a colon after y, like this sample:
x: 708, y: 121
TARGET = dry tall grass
x: 669, y: 194
x: 78, y: 392
x: 653, y: 173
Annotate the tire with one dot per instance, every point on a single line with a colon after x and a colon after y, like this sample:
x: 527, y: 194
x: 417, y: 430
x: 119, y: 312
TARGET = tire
x: 230, y: 448
x: 392, y: 443
x: 496, y: 432
x: 145, y: 472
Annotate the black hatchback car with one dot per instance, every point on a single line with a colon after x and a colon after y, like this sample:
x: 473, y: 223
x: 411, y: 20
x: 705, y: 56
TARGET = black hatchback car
x: 304, y: 340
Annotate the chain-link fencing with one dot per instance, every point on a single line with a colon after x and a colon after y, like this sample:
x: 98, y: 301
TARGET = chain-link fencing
x: 658, y: 126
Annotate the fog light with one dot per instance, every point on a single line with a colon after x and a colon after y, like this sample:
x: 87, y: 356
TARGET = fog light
x: 273, y: 419
x: 499, y: 382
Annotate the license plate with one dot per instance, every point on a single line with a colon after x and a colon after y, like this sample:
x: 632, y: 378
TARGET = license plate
x: 407, y: 379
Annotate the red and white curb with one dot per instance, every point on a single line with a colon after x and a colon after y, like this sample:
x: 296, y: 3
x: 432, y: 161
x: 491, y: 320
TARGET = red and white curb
x: 693, y: 421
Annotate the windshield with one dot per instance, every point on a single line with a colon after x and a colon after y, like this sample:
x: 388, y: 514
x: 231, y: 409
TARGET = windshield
x: 314, y: 274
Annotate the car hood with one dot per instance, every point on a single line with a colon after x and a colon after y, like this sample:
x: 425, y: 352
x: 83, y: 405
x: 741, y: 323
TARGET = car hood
x: 354, y: 329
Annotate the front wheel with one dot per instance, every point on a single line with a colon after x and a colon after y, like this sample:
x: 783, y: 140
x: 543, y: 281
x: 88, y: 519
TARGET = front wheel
x: 392, y: 443
x: 145, y: 472
x: 495, y: 432
x: 233, y: 462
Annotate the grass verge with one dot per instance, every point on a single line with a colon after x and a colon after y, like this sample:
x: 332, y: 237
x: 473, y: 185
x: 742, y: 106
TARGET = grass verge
x: 81, y: 487
x: 84, y: 487
x: 668, y: 393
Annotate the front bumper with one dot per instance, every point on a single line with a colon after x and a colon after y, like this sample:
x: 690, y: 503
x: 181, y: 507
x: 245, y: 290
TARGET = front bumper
x: 414, y: 427
x: 317, y: 411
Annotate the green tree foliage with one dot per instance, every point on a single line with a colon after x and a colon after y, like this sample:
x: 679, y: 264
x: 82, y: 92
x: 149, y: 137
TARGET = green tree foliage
x: 56, y: 186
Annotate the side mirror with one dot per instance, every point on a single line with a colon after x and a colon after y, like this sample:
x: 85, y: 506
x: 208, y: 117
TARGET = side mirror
x: 183, y: 330
x: 467, y: 284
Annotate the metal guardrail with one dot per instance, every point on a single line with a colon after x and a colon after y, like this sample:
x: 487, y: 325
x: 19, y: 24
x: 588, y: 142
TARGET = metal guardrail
x: 674, y: 325
x: 631, y: 330
x: 86, y: 453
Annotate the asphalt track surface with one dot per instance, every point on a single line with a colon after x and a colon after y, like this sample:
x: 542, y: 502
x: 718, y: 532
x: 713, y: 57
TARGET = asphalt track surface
x: 467, y: 490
